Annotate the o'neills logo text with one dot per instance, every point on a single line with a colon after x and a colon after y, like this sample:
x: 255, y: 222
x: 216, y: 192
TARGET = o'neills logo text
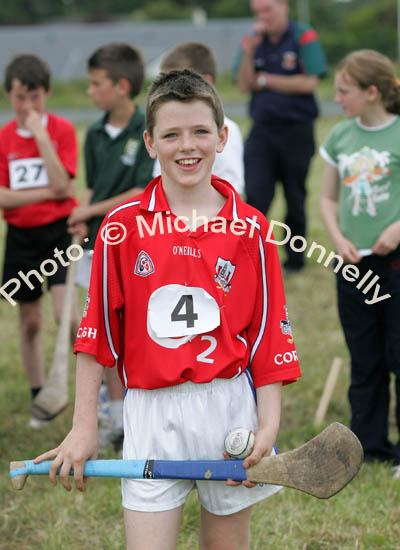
x: 186, y: 251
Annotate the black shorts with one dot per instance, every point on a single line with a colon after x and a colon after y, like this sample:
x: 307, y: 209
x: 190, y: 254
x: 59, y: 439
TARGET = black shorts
x: 26, y: 250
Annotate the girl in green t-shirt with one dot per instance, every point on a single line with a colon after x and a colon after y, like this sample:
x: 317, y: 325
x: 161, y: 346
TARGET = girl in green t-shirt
x: 360, y: 205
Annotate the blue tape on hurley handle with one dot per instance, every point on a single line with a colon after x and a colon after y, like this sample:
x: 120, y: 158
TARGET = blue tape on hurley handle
x: 213, y: 470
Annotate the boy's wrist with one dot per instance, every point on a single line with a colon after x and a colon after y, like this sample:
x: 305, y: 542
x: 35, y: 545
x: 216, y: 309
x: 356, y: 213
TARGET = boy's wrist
x: 41, y: 136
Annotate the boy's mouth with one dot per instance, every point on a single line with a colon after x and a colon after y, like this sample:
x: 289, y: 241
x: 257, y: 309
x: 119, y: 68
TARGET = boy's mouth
x: 187, y: 162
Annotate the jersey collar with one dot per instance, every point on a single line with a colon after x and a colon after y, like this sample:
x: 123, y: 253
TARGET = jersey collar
x: 287, y: 31
x: 134, y: 124
x: 154, y: 199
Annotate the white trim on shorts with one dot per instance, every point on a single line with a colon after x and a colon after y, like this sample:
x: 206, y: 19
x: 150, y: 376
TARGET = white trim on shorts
x: 187, y: 422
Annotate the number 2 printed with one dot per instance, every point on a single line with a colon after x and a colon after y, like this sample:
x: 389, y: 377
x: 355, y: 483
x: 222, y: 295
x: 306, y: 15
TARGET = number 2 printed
x: 202, y: 357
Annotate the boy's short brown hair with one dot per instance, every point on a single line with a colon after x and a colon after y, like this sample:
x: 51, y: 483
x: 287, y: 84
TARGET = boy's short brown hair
x: 120, y: 61
x: 191, y: 55
x: 30, y: 70
x: 186, y: 86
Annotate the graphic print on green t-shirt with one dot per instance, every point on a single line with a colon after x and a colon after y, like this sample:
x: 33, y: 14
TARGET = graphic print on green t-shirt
x: 368, y: 164
x: 365, y: 173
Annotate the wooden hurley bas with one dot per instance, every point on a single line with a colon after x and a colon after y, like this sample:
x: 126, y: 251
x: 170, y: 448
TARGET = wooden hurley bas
x: 322, y: 467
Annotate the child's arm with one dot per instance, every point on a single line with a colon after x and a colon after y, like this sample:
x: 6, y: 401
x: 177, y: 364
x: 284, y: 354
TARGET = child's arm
x: 57, y: 174
x: 80, y: 228
x: 81, y: 443
x: 10, y: 198
x: 269, y: 415
x: 329, y: 211
x: 75, y: 219
x: 83, y: 213
x: 388, y: 240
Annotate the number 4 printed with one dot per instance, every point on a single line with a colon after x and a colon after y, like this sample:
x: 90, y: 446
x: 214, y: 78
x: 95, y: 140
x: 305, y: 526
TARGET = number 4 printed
x: 185, y: 301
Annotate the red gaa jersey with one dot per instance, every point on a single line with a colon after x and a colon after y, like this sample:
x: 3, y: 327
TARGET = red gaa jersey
x: 21, y: 167
x: 171, y: 305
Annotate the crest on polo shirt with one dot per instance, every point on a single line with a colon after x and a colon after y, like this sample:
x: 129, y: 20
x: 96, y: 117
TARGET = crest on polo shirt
x: 289, y: 60
x: 286, y: 327
x: 128, y: 157
x: 224, y: 270
x: 144, y: 266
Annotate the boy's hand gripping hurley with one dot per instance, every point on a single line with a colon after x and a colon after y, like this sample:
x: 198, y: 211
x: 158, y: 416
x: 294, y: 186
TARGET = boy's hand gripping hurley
x: 322, y: 467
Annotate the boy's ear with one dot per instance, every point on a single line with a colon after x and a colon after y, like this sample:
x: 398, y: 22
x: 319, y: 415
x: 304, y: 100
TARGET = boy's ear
x: 148, y: 141
x: 125, y: 86
x: 222, y: 138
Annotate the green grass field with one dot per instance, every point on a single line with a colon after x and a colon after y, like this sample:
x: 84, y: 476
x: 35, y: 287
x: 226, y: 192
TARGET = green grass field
x: 364, y: 516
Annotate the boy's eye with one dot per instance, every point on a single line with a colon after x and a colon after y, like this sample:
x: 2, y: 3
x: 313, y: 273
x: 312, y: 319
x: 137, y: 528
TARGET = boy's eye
x: 169, y: 135
x: 202, y: 131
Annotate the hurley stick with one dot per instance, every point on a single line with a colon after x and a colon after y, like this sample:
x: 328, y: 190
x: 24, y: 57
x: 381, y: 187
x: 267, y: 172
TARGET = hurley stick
x: 53, y: 397
x: 328, y: 390
x: 321, y: 467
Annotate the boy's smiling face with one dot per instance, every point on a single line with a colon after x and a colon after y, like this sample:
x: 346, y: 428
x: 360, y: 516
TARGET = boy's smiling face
x: 185, y: 140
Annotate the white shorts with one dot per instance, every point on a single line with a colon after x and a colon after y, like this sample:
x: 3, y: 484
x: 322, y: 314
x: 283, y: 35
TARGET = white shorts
x: 188, y: 422
x: 83, y: 269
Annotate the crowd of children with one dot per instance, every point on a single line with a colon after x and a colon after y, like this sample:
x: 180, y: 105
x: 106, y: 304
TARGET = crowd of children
x: 168, y: 319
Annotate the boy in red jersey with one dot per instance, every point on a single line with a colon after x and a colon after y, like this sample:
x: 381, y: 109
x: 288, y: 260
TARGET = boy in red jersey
x: 38, y: 159
x: 194, y: 320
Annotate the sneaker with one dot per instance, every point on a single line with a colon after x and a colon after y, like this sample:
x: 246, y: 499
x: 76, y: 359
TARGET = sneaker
x: 396, y: 472
x: 37, y: 423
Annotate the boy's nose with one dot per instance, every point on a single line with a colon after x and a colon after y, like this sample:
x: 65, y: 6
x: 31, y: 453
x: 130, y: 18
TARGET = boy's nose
x: 28, y: 105
x: 186, y: 143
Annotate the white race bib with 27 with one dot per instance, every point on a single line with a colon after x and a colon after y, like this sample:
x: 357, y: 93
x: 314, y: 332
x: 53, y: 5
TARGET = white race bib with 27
x: 27, y: 174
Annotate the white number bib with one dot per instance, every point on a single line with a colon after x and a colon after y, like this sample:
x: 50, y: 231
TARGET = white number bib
x: 27, y: 173
x: 178, y: 310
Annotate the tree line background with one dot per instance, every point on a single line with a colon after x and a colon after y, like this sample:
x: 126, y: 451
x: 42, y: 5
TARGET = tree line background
x: 343, y: 25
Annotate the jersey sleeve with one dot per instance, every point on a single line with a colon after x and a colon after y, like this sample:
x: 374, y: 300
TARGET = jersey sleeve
x: 68, y: 149
x: 89, y: 160
x: 100, y: 331
x: 4, y: 175
x: 328, y: 149
x: 311, y: 52
x: 236, y: 63
x: 273, y: 355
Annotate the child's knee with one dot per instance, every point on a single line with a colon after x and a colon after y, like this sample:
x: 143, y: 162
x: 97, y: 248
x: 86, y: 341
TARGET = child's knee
x: 31, y: 324
x: 225, y: 532
x: 213, y: 541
